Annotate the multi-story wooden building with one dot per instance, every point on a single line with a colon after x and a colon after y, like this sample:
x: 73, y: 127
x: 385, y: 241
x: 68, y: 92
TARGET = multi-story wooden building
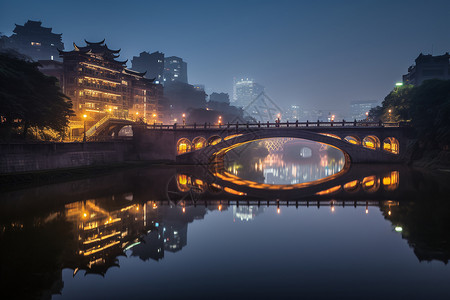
x: 99, y: 85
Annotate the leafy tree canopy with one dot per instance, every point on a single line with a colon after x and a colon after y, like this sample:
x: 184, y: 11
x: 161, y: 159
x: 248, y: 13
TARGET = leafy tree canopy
x: 28, y: 98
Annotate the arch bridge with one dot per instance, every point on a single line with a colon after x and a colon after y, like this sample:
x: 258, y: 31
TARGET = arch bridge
x: 361, y: 142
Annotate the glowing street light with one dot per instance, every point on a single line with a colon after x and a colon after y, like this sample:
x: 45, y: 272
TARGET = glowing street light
x: 220, y: 120
x: 184, y: 119
x: 399, y: 84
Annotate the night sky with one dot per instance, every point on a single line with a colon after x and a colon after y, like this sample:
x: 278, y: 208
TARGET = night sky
x: 318, y: 54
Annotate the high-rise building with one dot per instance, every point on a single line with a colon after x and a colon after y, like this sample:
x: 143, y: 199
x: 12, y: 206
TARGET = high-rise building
x: 35, y: 41
x: 245, y: 91
x: 358, y: 109
x: 428, y: 67
x: 151, y: 63
x: 175, y: 69
x: 100, y: 85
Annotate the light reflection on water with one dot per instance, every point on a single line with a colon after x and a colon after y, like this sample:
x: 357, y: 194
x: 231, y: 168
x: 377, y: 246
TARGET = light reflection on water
x: 381, y: 230
x: 284, y: 161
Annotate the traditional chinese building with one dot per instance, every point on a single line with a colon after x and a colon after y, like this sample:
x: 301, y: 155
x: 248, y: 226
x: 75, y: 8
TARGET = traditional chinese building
x: 35, y: 41
x: 100, y: 85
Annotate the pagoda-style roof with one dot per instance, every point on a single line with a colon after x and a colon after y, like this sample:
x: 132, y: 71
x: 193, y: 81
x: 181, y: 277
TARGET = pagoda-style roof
x: 97, y: 49
x: 34, y: 27
x: 135, y: 73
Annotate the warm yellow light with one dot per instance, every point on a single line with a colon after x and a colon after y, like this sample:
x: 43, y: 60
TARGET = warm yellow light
x: 137, y: 207
x: 367, y: 210
x: 389, y: 212
x: 85, y: 215
x: 332, y: 208
x: 220, y: 207
x: 184, y: 209
x: 278, y: 210
x: 154, y: 206
x: 154, y: 115
x: 184, y: 115
x: 137, y: 113
x: 110, y: 110
x: 85, y: 116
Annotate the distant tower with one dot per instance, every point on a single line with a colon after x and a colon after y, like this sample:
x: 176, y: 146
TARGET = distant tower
x: 35, y: 41
x: 175, y: 69
x: 245, y: 91
x: 152, y: 63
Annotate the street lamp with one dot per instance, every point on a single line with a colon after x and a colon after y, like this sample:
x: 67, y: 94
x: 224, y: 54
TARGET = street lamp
x: 84, y: 126
x: 332, y: 118
x: 184, y: 119
x: 220, y: 120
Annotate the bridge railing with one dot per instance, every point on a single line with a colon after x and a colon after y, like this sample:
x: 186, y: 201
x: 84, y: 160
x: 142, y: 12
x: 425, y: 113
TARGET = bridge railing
x: 296, y: 124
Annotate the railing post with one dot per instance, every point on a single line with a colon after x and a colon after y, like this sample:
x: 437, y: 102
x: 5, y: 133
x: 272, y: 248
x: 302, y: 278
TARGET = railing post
x: 195, y: 125
x: 205, y: 125
x: 343, y: 122
x: 228, y: 124
x: 307, y: 123
x: 318, y: 123
x: 331, y: 123
x: 209, y: 125
x: 267, y: 124
x: 259, y: 124
x: 247, y: 124
x: 287, y: 123
x: 354, y: 123
x: 379, y: 123
x: 296, y: 123
x: 175, y: 126
x: 237, y: 126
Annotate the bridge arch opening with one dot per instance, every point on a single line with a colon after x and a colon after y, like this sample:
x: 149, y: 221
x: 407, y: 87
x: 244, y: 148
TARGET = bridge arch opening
x: 198, y: 143
x: 126, y: 131
x: 390, y: 144
x: 391, y: 181
x: 214, y: 140
x: 371, y: 184
x: 352, y: 186
x: 371, y: 142
x: 352, y: 139
x: 183, y: 182
x: 183, y: 146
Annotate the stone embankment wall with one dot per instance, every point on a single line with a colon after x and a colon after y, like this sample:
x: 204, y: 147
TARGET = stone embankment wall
x: 30, y: 157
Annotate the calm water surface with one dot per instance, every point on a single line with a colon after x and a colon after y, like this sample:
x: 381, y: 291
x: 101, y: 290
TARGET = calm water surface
x: 349, y: 232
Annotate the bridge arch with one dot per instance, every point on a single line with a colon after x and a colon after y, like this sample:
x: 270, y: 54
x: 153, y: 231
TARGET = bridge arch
x: 371, y: 142
x: 353, y: 139
x: 371, y: 184
x: 390, y: 144
x: 352, y: 186
x: 198, y: 143
x: 184, y: 145
x: 214, y: 140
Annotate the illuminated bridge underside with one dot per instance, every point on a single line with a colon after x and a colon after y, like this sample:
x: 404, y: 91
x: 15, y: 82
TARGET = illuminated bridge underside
x: 366, y: 148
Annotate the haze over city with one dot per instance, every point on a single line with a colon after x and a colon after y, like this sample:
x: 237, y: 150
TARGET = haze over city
x: 317, y: 55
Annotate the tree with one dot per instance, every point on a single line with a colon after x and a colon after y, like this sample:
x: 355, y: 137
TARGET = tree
x: 183, y: 96
x: 396, y: 105
x: 28, y: 98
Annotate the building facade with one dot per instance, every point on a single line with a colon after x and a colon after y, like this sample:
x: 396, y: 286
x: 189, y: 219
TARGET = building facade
x: 428, y: 67
x: 175, y: 69
x: 360, y: 109
x: 99, y: 86
x: 245, y: 91
x: 151, y: 63
x: 35, y: 41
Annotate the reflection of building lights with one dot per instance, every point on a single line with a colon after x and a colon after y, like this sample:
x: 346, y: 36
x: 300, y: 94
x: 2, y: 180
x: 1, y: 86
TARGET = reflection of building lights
x: 367, y: 210
x: 184, y: 209
x: 389, y: 212
x: 332, y: 208
x: 220, y: 207
x: 137, y: 207
x: 154, y: 206
x: 278, y: 210
x: 398, y: 229
x: 85, y: 215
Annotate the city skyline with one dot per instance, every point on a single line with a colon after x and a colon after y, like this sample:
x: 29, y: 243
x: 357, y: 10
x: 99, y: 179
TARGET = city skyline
x: 308, y: 45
